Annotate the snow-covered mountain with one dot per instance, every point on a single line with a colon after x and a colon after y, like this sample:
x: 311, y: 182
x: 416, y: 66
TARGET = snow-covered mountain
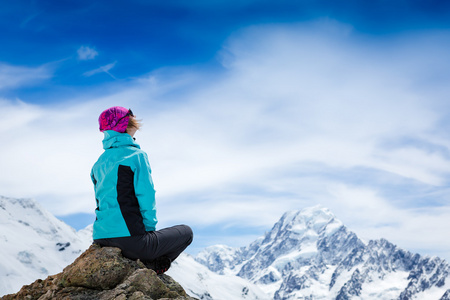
x: 34, y: 243
x: 309, y: 254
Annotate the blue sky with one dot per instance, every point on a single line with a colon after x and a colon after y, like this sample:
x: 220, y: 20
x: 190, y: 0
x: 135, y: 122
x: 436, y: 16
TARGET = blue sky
x: 250, y: 109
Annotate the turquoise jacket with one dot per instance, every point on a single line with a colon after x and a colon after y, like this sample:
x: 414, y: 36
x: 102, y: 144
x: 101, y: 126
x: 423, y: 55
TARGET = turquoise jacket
x: 123, y: 189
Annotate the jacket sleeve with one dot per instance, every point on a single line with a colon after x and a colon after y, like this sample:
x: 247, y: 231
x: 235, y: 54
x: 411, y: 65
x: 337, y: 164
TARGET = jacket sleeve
x: 94, y: 181
x: 145, y: 192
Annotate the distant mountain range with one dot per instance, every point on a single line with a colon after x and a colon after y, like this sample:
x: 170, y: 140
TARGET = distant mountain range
x: 308, y: 254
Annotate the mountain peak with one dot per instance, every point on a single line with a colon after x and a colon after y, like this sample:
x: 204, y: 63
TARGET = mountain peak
x: 11, y: 204
x: 305, y: 224
x: 310, y: 254
x: 296, y: 240
x: 312, y: 217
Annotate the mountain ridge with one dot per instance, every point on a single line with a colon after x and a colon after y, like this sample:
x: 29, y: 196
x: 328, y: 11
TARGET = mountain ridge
x: 310, y: 254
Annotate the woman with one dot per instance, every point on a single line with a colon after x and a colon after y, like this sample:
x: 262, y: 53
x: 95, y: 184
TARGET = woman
x: 126, y: 211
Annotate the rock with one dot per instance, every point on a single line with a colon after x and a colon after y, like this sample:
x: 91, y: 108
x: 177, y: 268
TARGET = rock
x: 103, y: 273
x: 98, y: 268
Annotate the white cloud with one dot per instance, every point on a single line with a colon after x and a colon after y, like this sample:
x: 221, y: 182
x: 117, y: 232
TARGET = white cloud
x: 86, y: 53
x: 283, y: 125
x: 371, y: 216
x: 102, y: 69
x: 289, y: 97
x: 17, y: 76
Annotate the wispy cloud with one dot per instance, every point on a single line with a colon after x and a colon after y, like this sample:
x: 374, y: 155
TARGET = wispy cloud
x: 16, y: 76
x: 86, y: 53
x: 102, y: 69
x: 29, y: 19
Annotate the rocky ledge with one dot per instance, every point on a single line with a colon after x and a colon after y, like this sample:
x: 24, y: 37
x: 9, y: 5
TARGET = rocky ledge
x: 104, y: 274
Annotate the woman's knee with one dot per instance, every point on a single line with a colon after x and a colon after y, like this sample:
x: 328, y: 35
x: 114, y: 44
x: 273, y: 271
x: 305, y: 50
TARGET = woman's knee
x: 188, y: 233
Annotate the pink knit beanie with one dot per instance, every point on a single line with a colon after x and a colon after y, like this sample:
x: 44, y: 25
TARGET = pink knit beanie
x: 115, y: 118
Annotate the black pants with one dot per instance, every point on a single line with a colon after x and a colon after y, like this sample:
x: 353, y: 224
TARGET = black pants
x: 169, y: 242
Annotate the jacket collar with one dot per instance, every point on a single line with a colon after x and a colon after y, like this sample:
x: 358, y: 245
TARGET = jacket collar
x: 114, y: 139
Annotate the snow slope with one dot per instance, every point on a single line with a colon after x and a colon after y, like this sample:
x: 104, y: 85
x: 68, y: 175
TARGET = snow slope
x: 201, y: 283
x: 34, y: 244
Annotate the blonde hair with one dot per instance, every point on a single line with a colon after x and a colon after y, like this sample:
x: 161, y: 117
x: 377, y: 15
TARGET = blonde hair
x: 133, y: 123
